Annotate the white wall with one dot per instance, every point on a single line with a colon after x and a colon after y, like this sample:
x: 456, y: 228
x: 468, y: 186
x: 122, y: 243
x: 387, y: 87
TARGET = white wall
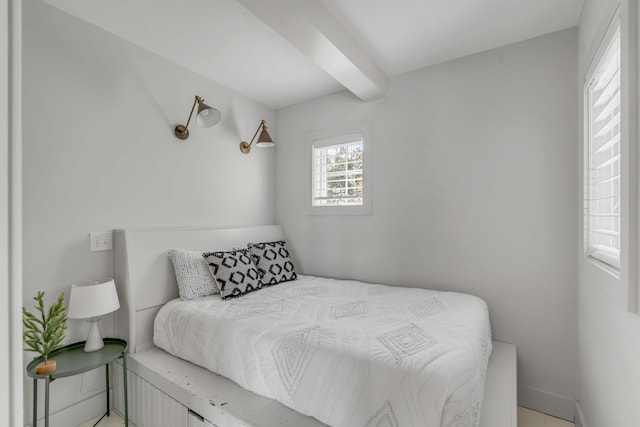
x: 10, y: 205
x: 5, y: 279
x: 608, y: 334
x: 99, y: 153
x: 474, y: 190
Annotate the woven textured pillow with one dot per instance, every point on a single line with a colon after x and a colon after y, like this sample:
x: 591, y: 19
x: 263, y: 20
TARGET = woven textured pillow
x: 234, y: 272
x: 273, y: 262
x: 192, y: 274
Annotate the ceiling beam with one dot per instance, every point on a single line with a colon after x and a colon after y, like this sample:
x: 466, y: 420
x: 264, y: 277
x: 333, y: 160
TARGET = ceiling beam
x: 313, y: 30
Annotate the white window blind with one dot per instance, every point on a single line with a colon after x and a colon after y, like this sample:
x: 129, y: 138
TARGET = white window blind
x: 603, y: 168
x: 338, y: 178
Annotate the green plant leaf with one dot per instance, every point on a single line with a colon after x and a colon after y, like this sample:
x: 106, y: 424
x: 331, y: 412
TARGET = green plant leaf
x: 45, y: 332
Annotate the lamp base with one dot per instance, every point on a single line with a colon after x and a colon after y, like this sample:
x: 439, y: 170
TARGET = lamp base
x: 181, y: 132
x: 94, y: 339
x: 244, y: 147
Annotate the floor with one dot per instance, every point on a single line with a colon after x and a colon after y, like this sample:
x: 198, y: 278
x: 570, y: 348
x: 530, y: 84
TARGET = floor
x: 526, y: 418
x: 112, y: 420
x: 529, y: 418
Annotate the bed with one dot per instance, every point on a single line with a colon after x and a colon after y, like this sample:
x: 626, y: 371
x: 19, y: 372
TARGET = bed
x: 374, y: 340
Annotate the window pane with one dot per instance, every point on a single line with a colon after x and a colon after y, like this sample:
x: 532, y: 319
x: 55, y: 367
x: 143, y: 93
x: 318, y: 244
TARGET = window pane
x: 337, y: 174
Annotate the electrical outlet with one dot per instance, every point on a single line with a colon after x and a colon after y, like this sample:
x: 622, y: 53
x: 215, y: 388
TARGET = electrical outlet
x: 100, y: 241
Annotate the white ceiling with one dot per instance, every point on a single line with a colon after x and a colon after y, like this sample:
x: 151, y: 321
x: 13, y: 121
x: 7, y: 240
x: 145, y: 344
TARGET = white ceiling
x: 281, y: 52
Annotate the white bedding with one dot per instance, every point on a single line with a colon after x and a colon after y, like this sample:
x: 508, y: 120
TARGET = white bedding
x: 347, y: 353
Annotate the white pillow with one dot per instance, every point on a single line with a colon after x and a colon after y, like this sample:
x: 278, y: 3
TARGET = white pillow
x: 192, y: 274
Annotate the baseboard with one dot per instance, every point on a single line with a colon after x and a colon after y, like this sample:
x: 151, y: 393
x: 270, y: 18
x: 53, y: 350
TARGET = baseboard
x: 580, y: 422
x: 547, y: 402
x: 76, y: 414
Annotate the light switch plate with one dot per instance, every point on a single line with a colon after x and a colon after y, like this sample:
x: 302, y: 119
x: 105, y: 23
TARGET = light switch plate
x: 100, y: 241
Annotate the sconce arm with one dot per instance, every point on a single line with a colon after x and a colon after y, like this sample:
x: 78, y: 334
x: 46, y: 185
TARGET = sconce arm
x: 196, y: 101
x: 262, y: 123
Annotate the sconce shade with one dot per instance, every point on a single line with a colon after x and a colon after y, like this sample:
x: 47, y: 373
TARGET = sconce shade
x: 264, y: 140
x: 207, y: 116
x: 92, y: 298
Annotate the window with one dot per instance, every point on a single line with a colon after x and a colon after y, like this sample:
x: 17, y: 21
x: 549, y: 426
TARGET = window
x: 338, y: 166
x: 603, y: 148
x: 339, y: 170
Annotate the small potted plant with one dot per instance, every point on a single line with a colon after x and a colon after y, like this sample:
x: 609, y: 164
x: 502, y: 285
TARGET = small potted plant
x: 44, y: 331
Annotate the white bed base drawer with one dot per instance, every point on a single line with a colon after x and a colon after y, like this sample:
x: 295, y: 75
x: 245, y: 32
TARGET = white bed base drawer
x: 220, y: 401
x: 165, y: 391
x: 150, y: 406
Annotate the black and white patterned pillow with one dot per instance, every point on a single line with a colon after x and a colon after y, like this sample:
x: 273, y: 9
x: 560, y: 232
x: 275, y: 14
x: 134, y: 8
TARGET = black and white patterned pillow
x: 234, y: 272
x: 192, y: 274
x: 273, y: 262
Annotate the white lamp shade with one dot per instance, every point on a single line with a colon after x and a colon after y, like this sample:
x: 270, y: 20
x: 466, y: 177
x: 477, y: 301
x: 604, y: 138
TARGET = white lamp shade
x: 207, y: 116
x: 265, y: 144
x: 92, y: 298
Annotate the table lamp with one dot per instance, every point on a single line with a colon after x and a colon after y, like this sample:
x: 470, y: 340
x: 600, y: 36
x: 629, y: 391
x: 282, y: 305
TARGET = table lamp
x: 90, y: 300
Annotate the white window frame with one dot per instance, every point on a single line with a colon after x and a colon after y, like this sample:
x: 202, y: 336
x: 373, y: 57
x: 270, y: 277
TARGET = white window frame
x: 603, y: 255
x: 333, y: 136
x: 624, y: 16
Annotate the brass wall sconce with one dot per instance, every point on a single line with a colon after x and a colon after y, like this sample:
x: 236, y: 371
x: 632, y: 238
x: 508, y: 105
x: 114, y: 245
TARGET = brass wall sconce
x: 205, y: 117
x: 264, y: 140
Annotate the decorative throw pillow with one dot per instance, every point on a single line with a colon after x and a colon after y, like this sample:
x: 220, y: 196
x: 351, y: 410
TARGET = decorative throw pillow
x: 234, y: 272
x: 192, y: 274
x: 272, y: 260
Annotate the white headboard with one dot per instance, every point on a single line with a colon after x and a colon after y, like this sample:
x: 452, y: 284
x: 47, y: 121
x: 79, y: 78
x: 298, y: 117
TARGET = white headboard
x: 144, y: 275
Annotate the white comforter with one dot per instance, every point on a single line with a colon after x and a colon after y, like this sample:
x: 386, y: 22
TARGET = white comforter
x: 347, y: 353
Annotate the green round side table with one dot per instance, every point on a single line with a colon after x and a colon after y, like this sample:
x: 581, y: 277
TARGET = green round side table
x: 72, y: 360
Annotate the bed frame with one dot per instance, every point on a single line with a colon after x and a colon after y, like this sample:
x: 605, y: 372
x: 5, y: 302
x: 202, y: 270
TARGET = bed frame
x: 165, y: 390
x: 144, y: 276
